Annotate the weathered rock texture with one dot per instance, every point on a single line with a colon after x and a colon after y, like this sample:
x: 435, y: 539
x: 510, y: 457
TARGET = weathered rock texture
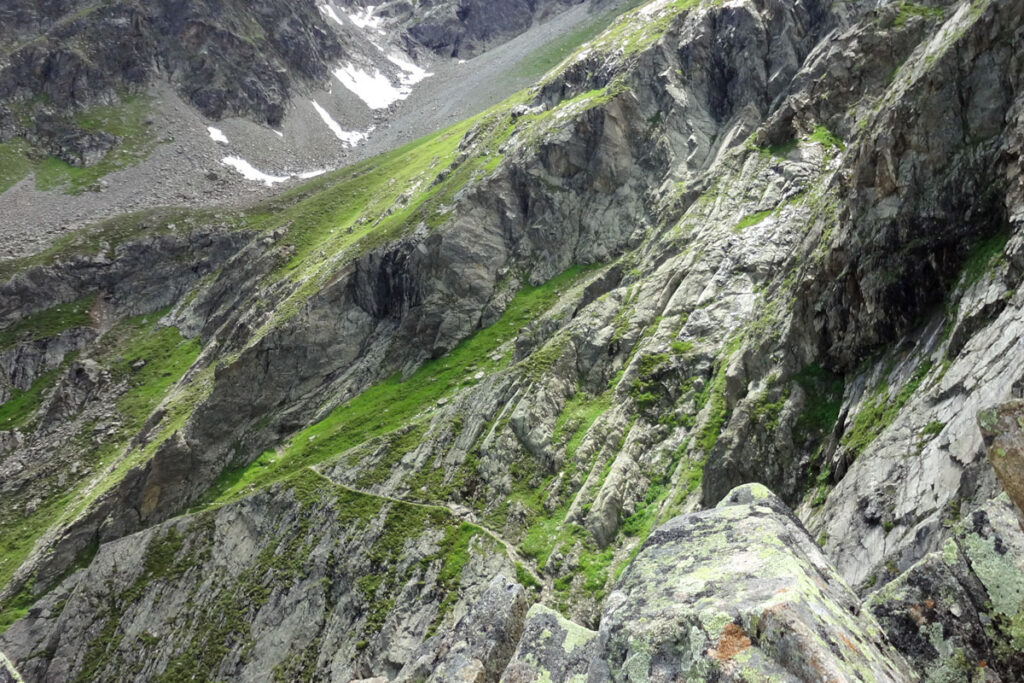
x: 739, y: 592
x: 956, y: 614
x: 1002, y: 428
x: 551, y: 648
x: 480, y: 645
x: 775, y: 242
x: 299, y: 566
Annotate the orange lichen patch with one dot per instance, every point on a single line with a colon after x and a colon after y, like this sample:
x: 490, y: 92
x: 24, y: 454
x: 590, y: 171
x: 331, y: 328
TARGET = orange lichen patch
x: 846, y: 641
x: 732, y: 642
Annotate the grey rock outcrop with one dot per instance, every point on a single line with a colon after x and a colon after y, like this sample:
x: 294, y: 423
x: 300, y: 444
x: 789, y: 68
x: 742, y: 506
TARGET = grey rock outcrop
x: 749, y: 288
x: 739, y: 593
x: 736, y: 592
x: 1002, y: 428
x: 956, y: 614
x: 480, y: 644
x: 552, y: 648
x: 306, y: 576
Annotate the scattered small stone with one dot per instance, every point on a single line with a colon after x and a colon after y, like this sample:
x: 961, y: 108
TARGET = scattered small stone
x: 32, y: 506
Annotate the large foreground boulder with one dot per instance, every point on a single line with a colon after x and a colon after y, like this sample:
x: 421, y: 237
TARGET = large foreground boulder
x: 552, y: 649
x: 740, y: 592
x: 737, y: 593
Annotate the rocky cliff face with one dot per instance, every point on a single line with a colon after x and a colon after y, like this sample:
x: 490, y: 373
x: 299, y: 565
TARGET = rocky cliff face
x: 225, y: 58
x: 524, y: 359
x: 465, y: 27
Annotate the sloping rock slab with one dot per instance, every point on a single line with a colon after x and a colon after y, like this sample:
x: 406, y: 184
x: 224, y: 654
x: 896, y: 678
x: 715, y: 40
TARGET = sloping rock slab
x: 740, y: 592
x: 552, y: 649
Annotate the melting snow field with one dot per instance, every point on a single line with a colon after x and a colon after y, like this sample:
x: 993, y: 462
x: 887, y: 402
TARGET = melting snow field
x: 373, y: 89
x: 413, y: 74
x: 217, y: 134
x: 250, y: 172
x: 376, y: 89
x: 349, y: 137
x: 365, y: 19
x: 329, y: 11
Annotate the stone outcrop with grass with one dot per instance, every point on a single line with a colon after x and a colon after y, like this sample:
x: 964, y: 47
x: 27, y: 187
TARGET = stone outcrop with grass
x: 722, y: 243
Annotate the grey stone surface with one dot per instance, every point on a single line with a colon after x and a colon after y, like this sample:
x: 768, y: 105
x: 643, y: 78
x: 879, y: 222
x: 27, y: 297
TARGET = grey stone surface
x: 956, y: 613
x: 740, y: 592
x: 797, y: 281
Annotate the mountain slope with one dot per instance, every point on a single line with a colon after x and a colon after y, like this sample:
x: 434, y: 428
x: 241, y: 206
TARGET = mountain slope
x: 111, y: 108
x: 721, y: 243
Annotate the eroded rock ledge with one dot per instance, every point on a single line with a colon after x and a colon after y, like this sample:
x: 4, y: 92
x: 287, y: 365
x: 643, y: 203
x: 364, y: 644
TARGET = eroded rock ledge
x: 738, y: 592
x: 741, y: 592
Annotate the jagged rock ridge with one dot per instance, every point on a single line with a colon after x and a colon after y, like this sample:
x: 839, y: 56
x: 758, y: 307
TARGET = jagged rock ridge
x: 722, y: 243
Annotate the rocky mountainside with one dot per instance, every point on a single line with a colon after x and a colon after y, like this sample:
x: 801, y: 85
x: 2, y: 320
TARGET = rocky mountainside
x: 113, y: 107
x: 668, y: 367
x: 225, y: 58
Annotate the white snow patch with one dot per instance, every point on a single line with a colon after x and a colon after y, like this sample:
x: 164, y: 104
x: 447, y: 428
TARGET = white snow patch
x: 329, y: 11
x: 349, y: 137
x: 217, y: 134
x: 249, y: 172
x: 365, y: 19
x: 462, y: 61
x: 413, y: 73
x: 279, y: 133
x: 373, y: 89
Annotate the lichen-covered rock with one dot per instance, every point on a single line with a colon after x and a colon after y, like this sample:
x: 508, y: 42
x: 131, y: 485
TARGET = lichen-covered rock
x: 552, y: 649
x: 482, y: 642
x: 739, y: 592
x: 1002, y: 428
x: 957, y: 614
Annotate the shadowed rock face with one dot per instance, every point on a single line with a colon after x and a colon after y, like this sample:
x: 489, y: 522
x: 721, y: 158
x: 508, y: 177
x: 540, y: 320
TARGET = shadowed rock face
x: 227, y: 59
x: 465, y: 27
